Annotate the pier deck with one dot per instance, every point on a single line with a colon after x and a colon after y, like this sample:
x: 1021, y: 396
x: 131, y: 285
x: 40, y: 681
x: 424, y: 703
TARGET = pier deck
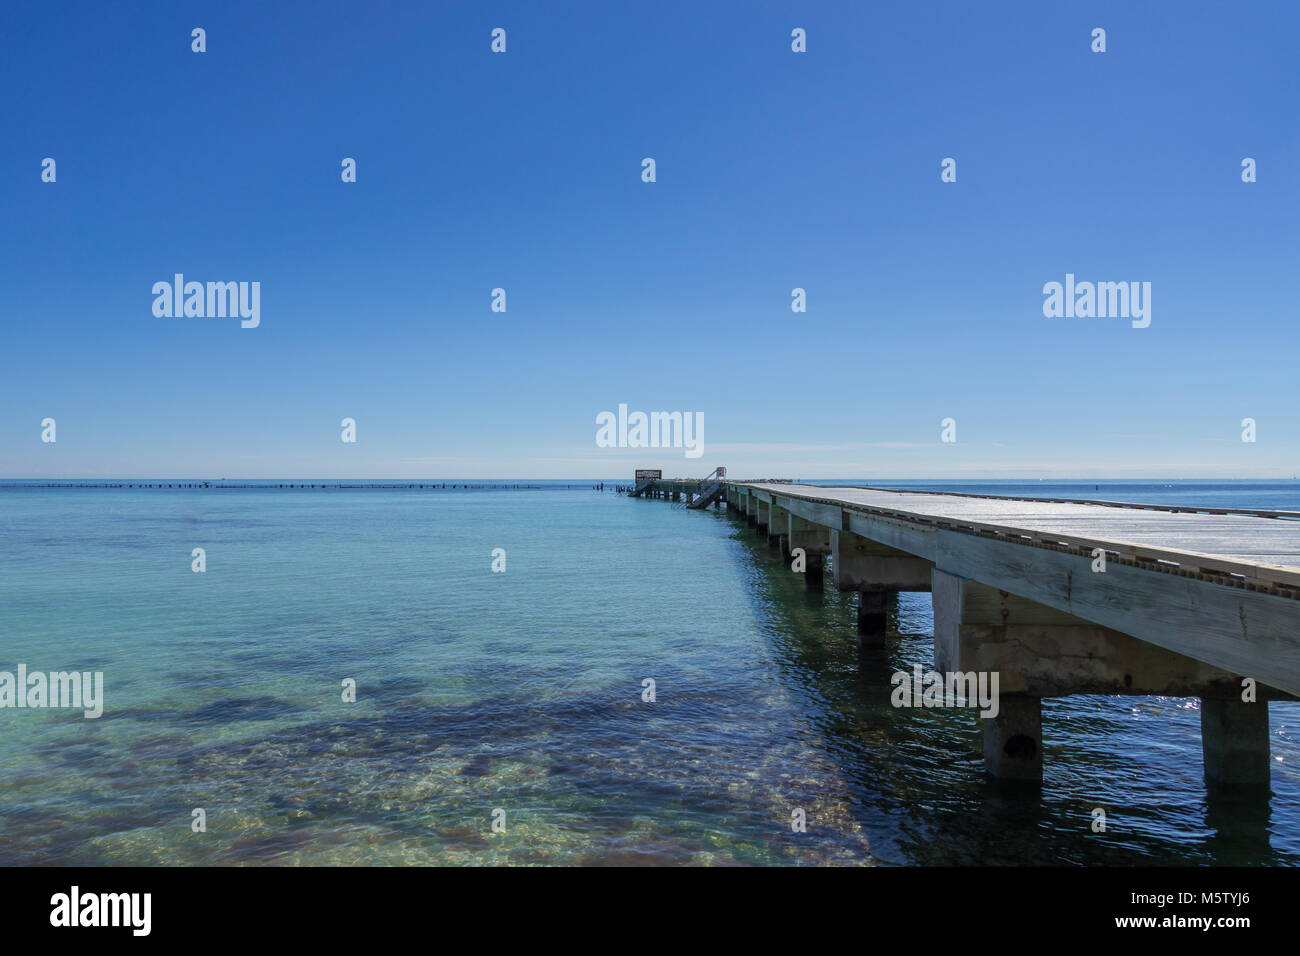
x: 1262, y: 546
x: 1062, y: 597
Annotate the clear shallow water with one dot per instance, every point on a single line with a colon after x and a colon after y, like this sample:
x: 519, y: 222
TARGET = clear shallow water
x: 522, y: 691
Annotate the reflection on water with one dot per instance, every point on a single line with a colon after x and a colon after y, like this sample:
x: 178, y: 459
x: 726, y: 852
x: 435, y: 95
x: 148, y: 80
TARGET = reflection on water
x: 522, y: 692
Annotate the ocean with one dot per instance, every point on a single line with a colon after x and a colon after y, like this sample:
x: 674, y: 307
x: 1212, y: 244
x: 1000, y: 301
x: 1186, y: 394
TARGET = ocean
x: 500, y: 717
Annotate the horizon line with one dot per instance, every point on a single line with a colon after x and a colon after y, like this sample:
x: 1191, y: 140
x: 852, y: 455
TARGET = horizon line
x: 516, y: 478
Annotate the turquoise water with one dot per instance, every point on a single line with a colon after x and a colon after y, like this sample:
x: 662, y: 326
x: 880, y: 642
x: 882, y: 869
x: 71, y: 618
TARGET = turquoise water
x: 521, y: 691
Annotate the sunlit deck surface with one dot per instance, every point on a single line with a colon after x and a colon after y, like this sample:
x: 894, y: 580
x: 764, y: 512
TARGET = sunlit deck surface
x: 1259, y: 546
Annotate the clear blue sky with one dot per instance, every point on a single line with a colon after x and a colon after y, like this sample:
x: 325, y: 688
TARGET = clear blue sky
x: 775, y: 170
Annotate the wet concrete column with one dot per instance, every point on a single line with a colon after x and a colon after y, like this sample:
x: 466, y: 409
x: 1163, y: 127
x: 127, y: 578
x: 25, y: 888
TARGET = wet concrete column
x: 873, y: 614
x: 815, y: 540
x: 1235, y: 743
x: 814, y: 576
x: 1013, y: 740
x: 778, y: 529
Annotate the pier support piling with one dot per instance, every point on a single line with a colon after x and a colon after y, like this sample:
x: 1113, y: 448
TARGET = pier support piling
x: 1235, y: 743
x: 877, y: 572
x: 778, y: 529
x: 814, y: 575
x: 873, y: 615
x: 1013, y: 740
x: 815, y: 540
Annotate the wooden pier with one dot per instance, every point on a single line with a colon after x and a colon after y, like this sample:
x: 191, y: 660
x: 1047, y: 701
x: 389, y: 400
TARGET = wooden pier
x: 1062, y: 597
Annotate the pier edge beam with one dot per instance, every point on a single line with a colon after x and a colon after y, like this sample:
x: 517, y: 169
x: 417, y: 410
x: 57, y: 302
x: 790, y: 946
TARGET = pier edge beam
x: 1235, y: 744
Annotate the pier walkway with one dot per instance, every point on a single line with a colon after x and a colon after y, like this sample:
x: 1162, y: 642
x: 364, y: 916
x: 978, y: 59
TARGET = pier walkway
x: 1063, y: 597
